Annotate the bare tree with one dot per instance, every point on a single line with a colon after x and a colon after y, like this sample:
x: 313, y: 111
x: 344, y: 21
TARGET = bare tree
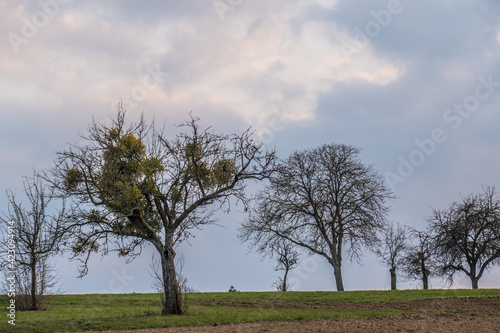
x: 320, y: 199
x: 46, y: 285
x: 39, y: 234
x: 394, y: 242
x: 146, y: 189
x: 287, y: 258
x: 467, y: 235
x: 420, y: 257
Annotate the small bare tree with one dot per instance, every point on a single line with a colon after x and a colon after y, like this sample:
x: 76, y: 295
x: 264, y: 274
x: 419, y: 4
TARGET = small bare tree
x: 287, y: 258
x: 40, y: 233
x: 46, y: 285
x: 467, y: 235
x: 394, y: 239
x: 420, y: 257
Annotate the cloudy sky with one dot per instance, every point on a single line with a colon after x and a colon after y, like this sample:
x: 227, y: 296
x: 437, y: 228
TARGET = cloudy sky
x: 415, y: 84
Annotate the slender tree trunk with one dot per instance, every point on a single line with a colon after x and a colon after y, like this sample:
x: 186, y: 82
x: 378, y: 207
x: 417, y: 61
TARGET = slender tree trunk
x: 393, y: 278
x: 425, y: 274
x: 285, y: 286
x: 337, y: 272
x: 336, y: 260
x: 33, y: 286
x: 173, y: 300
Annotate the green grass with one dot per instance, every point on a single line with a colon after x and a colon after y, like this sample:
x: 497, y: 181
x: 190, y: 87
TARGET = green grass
x: 129, y: 311
x: 375, y: 296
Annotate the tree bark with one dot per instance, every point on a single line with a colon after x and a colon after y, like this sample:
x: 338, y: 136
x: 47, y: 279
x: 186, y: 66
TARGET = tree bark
x: 473, y: 277
x: 33, y: 286
x: 425, y: 274
x: 285, y: 287
x: 425, y: 278
x: 338, y: 276
x: 173, y: 301
x: 475, y: 282
x: 393, y: 278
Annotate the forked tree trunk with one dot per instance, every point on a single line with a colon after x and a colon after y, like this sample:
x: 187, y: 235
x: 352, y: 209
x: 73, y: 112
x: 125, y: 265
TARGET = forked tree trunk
x: 473, y: 278
x: 393, y: 278
x: 173, y: 301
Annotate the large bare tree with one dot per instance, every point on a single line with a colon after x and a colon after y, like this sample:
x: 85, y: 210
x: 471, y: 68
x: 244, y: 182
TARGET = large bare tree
x: 135, y: 186
x: 467, y: 235
x: 320, y: 199
x: 38, y: 228
x: 392, y: 250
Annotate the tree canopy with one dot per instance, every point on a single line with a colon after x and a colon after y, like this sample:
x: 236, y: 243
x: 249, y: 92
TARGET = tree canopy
x: 34, y: 230
x: 467, y: 235
x: 320, y: 199
x: 134, y: 186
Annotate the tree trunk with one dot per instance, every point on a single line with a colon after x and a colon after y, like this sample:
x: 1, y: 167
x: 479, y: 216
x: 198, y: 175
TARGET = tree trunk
x: 33, y: 286
x: 285, y: 286
x: 475, y: 284
x: 425, y: 279
x: 338, y: 276
x: 173, y: 301
x: 473, y: 278
x: 425, y: 274
x: 393, y: 278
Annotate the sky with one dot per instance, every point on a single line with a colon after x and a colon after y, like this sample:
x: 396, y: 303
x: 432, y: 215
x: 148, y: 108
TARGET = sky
x: 414, y: 84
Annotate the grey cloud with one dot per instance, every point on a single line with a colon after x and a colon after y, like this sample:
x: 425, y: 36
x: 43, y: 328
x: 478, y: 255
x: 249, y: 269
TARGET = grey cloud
x: 438, y: 47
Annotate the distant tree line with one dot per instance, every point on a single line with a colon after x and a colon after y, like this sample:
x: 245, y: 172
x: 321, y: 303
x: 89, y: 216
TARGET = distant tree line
x: 325, y: 201
x: 127, y: 185
x: 464, y: 238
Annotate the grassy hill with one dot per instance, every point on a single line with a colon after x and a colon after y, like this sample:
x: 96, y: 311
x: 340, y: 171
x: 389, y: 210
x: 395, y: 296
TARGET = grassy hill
x: 131, y: 311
